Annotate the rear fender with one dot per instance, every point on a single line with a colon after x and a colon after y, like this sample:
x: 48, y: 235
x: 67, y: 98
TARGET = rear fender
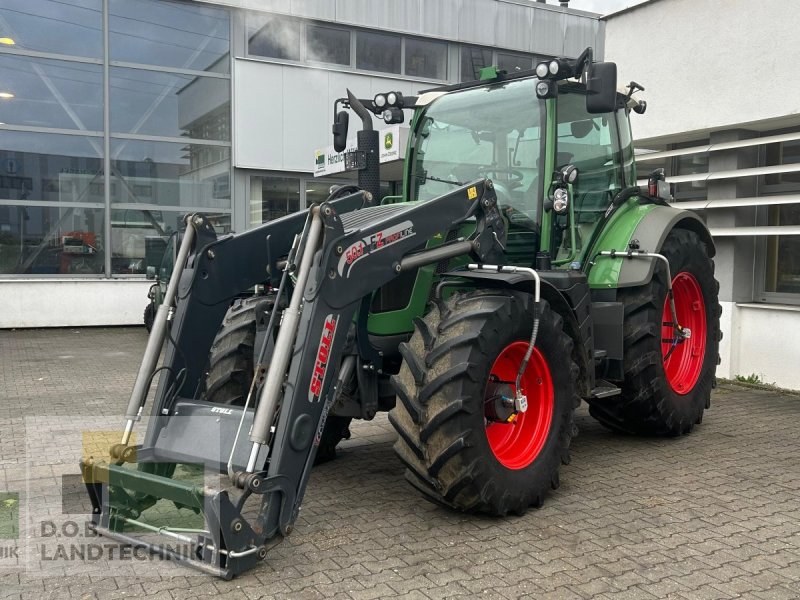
x: 647, y: 227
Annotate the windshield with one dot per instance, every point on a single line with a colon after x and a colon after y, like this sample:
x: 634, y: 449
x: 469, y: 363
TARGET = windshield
x: 492, y: 132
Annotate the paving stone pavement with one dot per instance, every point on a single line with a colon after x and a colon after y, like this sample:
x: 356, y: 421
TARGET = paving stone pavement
x: 715, y: 514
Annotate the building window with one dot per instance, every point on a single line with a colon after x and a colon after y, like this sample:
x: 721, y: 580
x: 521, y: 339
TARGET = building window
x: 327, y: 45
x: 51, y: 93
x: 169, y: 80
x: 689, y: 164
x: 273, y: 197
x: 170, y: 34
x: 170, y: 104
x: 54, y: 26
x: 271, y: 36
x: 51, y: 204
x: 783, y: 252
x: 378, y: 52
x: 512, y: 62
x: 473, y: 59
x: 426, y: 59
x: 782, y: 153
x: 292, y: 39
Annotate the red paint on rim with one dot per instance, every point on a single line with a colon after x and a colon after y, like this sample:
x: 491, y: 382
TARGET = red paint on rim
x: 683, y: 366
x: 516, y: 445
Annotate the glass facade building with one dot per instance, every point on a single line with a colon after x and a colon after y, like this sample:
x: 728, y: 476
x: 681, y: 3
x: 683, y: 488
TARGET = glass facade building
x: 115, y: 122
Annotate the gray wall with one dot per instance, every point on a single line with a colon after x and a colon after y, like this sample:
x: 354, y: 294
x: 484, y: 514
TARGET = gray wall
x: 514, y: 24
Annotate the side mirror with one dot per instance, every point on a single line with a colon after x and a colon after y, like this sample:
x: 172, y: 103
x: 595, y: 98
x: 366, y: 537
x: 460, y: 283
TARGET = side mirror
x: 601, y: 88
x: 340, y: 126
x: 151, y: 272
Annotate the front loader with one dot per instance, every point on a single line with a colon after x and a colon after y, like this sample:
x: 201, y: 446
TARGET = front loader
x: 523, y: 270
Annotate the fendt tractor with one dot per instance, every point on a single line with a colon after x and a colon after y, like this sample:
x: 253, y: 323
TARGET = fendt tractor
x: 523, y: 270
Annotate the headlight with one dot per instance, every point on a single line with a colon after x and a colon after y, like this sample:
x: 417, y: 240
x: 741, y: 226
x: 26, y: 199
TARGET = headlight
x: 560, y: 200
x: 554, y: 67
x: 542, y: 89
x: 391, y: 98
x: 542, y: 70
x: 380, y: 100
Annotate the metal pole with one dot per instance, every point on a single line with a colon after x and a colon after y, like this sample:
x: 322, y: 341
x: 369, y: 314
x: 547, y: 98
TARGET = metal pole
x: 157, y: 335
x: 284, y: 345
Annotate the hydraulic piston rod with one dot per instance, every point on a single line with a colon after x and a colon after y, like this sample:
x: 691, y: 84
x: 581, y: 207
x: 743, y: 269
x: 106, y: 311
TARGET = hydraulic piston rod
x: 284, y: 345
x: 157, y: 335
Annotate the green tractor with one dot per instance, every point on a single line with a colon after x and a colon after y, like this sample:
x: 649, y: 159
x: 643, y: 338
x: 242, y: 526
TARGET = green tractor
x: 522, y: 270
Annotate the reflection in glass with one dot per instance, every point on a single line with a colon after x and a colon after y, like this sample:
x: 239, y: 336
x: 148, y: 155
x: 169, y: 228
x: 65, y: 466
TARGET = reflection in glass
x: 46, y: 240
x: 170, y: 174
x: 274, y: 37
x: 328, y: 45
x: 783, y: 252
x: 74, y: 27
x: 513, y: 62
x: 319, y: 190
x: 273, y: 197
x: 51, y: 93
x: 170, y: 34
x: 426, y: 59
x: 133, y: 231
x: 378, y: 52
x: 149, y: 102
x: 473, y: 59
x: 50, y: 167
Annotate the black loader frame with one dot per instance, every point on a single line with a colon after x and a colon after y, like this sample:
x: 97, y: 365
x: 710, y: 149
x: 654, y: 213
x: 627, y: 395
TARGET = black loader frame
x: 336, y: 254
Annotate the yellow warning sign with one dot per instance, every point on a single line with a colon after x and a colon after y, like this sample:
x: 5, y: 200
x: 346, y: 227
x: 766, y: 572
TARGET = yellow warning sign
x: 472, y: 193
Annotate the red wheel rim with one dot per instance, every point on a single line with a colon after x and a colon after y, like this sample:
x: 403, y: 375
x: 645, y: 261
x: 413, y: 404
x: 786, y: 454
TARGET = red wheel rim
x: 683, y: 365
x: 516, y: 445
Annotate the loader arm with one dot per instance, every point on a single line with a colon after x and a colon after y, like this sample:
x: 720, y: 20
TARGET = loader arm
x: 343, y: 257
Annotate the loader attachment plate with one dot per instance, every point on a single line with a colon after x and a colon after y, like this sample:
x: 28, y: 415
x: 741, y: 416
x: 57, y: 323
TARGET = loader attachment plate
x: 218, y: 540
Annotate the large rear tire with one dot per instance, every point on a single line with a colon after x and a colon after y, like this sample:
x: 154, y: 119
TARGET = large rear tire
x: 231, y: 368
x: 456, y: 450
x: 668, y: 384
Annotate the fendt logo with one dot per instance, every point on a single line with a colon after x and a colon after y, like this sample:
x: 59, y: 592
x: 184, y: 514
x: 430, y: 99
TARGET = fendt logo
x: 373, y: 243
x: 323, y: 355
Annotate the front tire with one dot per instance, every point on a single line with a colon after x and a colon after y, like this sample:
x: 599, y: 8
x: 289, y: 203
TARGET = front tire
x: 231, y: 367
x: 456, y: 450
x: 668, y: 384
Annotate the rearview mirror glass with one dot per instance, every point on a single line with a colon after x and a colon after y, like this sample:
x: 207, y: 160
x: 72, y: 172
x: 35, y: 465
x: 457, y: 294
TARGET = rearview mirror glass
x: 601, y: 88
x: 340, y: 126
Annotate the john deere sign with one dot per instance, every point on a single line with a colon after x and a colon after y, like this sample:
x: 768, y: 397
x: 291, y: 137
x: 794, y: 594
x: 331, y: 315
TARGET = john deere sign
x: 327, y: 161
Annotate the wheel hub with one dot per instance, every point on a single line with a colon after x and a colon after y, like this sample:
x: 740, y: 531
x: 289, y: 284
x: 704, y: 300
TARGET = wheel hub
x: 499, y: 405
x: 518, y: 421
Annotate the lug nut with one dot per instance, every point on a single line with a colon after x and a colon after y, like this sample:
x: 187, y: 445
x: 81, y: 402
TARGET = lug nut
x: 211, y: 254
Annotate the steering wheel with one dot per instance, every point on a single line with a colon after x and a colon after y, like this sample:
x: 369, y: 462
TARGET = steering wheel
x: 516, y: 174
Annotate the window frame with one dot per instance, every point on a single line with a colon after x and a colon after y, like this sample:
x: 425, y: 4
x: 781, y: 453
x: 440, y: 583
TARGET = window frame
x: 353, y: 33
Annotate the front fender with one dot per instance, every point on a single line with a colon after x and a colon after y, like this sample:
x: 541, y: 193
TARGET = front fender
x: 649, y: 224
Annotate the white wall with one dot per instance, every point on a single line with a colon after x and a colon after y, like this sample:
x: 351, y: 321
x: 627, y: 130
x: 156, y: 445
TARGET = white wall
x: 72, y: 302
x: 761, y: 339
x: 708, y: 64
x: 283, y: 113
